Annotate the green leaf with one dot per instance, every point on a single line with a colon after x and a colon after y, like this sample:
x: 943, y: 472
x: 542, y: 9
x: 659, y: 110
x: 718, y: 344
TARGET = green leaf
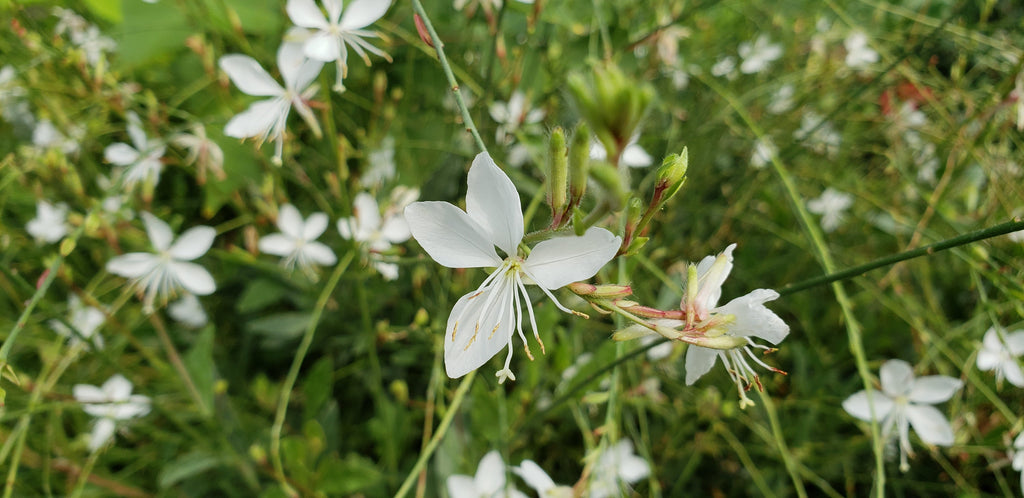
x: 187, y: 466
x: 199, y: 363
x: 108, y: 10
x: 281, y: 326
x: 240, y: 167
x: 344, y: 477
x: 258, y: 295
x: 318, y: 385
x: 150, y: 32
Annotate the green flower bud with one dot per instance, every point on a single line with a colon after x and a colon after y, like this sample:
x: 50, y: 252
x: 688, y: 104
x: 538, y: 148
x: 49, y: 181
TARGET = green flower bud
x: 579, y: 164
x: 558, y: 173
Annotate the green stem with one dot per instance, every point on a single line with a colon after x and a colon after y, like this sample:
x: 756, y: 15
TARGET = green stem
x: 293, y: 373
x: 172, y: 354
x: 780, y: 441
x: 442, y: 429
x: 438, y: 47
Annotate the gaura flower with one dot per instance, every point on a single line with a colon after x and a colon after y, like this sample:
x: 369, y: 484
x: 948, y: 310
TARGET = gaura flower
x: 266, y: 119
x: 512, y: 115
x: 50, y: 224
x: 756, y: 56
x: 483, y: 321
x: 297, y: 241
x: 633, y: 156
x: 375, y: 232
x: 109, y: 403
x: 1000, y: 353
x: 831, y: 205
x: 337, y: 29
x: 1017, y: 453
x: 168, y: 270
x: 905, y: 402
x: 83, y: 321
x: 188, y: 311
x: 540, y: 481
x: 142, y: 159
x: 202, y: 151
x: 859, y: 55
x: 489, y: 481
x: 616, y: 467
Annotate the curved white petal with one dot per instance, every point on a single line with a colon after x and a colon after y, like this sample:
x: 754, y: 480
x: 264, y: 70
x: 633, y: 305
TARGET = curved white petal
x: 930, y: 425
x: 460, y: 486
x: 160, y: 235
x: 133, y: 264
x: 362, y: 13
x: 629, y: 467
x: 323, y: 47
x: 117, y: 388
x: 102, y: 431
x: 133, y: 406
x: 249, y: 76
x: 490, y: 474
x: 258, y: 120
x: 1013, y: 374
x: 85, y: 393
x: 857, y: 405
x: 387, y: 270
x: 136, y: 133
x: 534, y: 476
x: 493, y: 202
x: 395, y: 229
x: 753, y: 319
x: 987, y: 360
x: 699, y: 362
x: 319, y: 254
x: 480, y: 325
x: 557, y: 262
x: 334, y: 8
x: 1015, y: 342
x: 367, y: 212
x: 277, y: 244
x: 934, y: 389
x: 635, y: 156
x: 345, y: 226
x: 450, y: 236
x: 290, y: 222
x: 897, y: 378
x: 712, y: 273
x: 305, y: 13
x: 193, y: 243
x: 296, y: 69
x: 194, y: 278
x: 315, y: 226
x: 120, y: 154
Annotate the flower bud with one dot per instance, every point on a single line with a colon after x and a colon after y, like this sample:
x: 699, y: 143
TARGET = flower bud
x: 579, y: 164
x: 558, y: 173
x: 612, y: 103
x: 672, y: 174
x: 601, y: 291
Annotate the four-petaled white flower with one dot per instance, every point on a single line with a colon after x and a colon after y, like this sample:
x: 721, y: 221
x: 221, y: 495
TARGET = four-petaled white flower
x: 142, y: 159
x: 375, y: 232
x: 756, y: 56
x: 616, y: 467
x: 512, y: 115
x: 633, y: 156
x: 859, y: 54
x: 297, y: 241
x: 540, y: 481
x: 831, y: 205
x: 202, y: 151
x: 109, y: 403
x: 167, y: 270
x: 484, y: 321
x: 489, y: 481
x: 83, y: 321
x: 266, y: 119
x: 905, y: 402
x: 1000, y: 353
x: 50, y: 224
x: 337, y: 30
x: 743, y: 318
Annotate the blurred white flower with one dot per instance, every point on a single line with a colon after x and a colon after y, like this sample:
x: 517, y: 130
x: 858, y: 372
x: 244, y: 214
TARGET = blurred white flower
x: 142, y: 160
x: 513, y: 115
x: 188, y: 311
x: 782, y: 99
x: 764, y: 152
x: 46, y: 136
x: 266, y: 119
x: 659, y: 352
x: 858, y: 54
x: 202, y: 151
x: 818, y: 134
x: 725, y: 66
x: 381, y: 164
x: 167, y: 270
x: 50, y: 224
x: 633, y: 156
x: 518, y: 154
x: 83, y: 321
x: 756, y: 56
x: 83, y: 34
x: 540, y: 481
x: 109, y: 403
x: 831, y: 205
x: 999, y: 352
x: 489, y: 481
x: 297, y: 241
x: 337, y: 30
x: 13, y: 106
x: 377, y: 233
x: 616, y: 468
x: 1017, y: 453
x: 905, y: 402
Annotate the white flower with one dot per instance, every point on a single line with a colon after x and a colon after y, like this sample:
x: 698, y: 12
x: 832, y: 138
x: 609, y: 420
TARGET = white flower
x: 167, y: 270
x: 202, y: 151
x: 744, y: 318
x: 297, y: 241
x: 818, y: 134
x: 764, y: 151
x: 858, y: 54
x: 758, y: 55
x: 375, y: 232
x: 725, y: 66
x: 483, y: 321
x: 46, y: 136
x: 109, y: 403
x: 540, y: 481
x: 381, y: 164
x: 50, y: 223
x: 633, y: 156
x: 513, y: 115
x: 905, y: 402
x: 1017, y: 453
x: 489, y: 481
x: 831, y: 205
x: 659, y: 352
x: 1017, y: 236
x: 188, y: 312
x: 337, y: 29
x: 999, y: 352
x: 142, y: 159
x: 616, y: 467
x: 13, y: 106
x: 782, y: 99
x: 83, y: 321
x: 266, y: 119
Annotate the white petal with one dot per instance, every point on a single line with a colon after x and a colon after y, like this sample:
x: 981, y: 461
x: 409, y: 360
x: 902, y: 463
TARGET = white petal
x: 636, y: 157
x: 277, y: 244
x: 133, y: 264
x: 490, y: 474
x: 534, y: 476
x: 193, y: 243
x: 1015, y: 342
x: 319, y: 254
x: 323, y: 47
x: 699, y: 362
x: 897, y: 378
x: 712, y: 273
x: 460, y: 486
x: 753, y: 319
x: 450, y: 236
x: 102, y: 431
x: 315, y: 226
x: 934, y: 389
x: 476, y: 330
x: 930, y: 424
x: 120, y: 154
x: 367, y: 212
x: 134, y: 406
x: 188, y: 311
x: 258, y: 120
x: 1013, y: 374
x: 557, y: 262
x: 290, y: 222
x: 85, y: 393
x: 857, y: 405
x: 387, y: 270
x: 395, y: 229
x: 305, y: 13
x: 296, y: 70
x: 345, y: 227
x: 194, y: 278
x: 493, y: 202
x: 334, y: 8
x: 629, y: 467
x: 361, y: 13
x: 987, y: 360
x: 117, y: 388
x: 249, y: 76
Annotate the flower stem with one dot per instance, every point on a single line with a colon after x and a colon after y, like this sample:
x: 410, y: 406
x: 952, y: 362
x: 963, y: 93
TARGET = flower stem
x: 439, y: 48
x: 172, y: 354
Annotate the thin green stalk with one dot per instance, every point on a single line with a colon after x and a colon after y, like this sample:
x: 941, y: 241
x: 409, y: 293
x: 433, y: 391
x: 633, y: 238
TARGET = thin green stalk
x: 442, y: 429
x: 780, y: 442
x: 83, y: 477
x: 172, y: 354
x: 439, y: 48
x: 293, y: 373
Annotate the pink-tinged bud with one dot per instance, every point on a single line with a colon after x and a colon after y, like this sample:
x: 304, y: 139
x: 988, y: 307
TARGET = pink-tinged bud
x: 602, y: 291
x: 722, y: 342
x: 422, y: 30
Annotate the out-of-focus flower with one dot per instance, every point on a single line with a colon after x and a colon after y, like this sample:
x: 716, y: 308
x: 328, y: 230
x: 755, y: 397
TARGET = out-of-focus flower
x: 337, y: 29
x: 725, y: 66
x: 13, y: 106
x: 46, y: 136
x: 616, y: 468
x: 266, y: 119
x: 905, y: 402
x: 633, y: 156
x: 818, y: 134
x: 513, y: 115
x: 50, y: 224
x: 859, y: 55
x: 188, y: 311
x: 758, y: 55
x: 297, y: 241
x: 83, y: 34
x: 540, y: 481
x: 377, y: 233
x: 109, y: 403
x: 83, y: 321
x: 1017, y: 453
x: 782, y: 99
x: 999, y: 352
x: 832, y: 206
x: 381, y: 164
x: 489, y: 481
x: 142, y: 160
x: 202, y: 151
x: 764, y: 152
x: 167, y: 270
